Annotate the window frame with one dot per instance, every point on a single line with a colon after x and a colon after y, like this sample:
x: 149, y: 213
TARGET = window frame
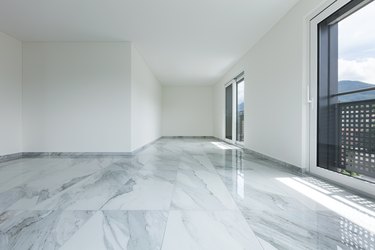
x: 233, y: 84
x: 311, y: 76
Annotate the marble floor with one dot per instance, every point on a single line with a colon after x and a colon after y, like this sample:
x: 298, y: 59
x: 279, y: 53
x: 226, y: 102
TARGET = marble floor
x: 177, y: 194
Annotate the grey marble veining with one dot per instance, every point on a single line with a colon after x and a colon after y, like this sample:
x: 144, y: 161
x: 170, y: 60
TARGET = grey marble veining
x: 10, y: 157
x: 200, y: 189
x: 288, y: 211
x: 33, y: 183
x: 74, y: 154
x: 133, y: 230
x: 208, y: 230
x: 37, y: 230
x: 178, y: 193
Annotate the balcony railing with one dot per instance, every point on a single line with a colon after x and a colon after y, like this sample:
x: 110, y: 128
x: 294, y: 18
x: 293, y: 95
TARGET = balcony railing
x: 356, y: 124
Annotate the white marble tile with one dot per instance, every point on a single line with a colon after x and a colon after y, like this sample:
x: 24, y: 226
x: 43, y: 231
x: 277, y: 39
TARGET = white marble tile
x: 29, y: 182
x: 29, y: 170
x: 200, y: 230
x: 200, y: 189
x: 37, y: 230
x: 133, y: 230
x: 93, y: 192
x: 196, y: 163
x: 88, y: 184
x: 152, y: 190
x: 203, y: 186
x: 266, y: 245
x: 248, y: 184
x: 285, y: 218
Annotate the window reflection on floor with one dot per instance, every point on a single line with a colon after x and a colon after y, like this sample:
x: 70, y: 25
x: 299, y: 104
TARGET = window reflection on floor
x: 224, y: 146
x: 357, y: 214
x: 235, y: 157
x: 354, y: 236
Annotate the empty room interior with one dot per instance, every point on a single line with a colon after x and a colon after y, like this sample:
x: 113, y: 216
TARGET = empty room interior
x: 187, y: 125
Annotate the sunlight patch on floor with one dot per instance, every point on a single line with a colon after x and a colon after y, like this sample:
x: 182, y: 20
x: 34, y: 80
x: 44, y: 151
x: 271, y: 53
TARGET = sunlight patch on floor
x: 225, y: 146
x: 358, y: 216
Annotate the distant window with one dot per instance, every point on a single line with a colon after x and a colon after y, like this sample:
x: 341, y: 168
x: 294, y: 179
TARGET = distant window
x: 228, y: 111
x: 240, y: 86
x: 235, y: 109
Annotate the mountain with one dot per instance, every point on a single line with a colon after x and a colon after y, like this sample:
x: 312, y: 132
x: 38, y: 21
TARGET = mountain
x: 345, y: 86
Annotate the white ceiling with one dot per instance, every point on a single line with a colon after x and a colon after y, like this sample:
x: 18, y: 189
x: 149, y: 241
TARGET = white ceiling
x: 184, y: 42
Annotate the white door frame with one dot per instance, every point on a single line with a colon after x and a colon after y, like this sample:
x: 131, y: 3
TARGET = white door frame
x: 353, y: 183
x: 239, y: 143
x: 234, y: 141
x: 232, y: 83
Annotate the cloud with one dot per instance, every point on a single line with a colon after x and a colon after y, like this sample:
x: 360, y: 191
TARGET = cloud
x: 357, y: 45
x: 357, y: 34
x: 357, y: 70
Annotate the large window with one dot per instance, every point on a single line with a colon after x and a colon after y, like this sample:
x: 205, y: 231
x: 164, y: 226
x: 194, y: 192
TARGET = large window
x: 240, y: 85
x: 228, y: 112
x: 346, y: 91
x: 235, y: 109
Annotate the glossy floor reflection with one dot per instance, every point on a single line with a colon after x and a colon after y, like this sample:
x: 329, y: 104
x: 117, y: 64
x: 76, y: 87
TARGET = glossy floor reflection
x: 176, y: 194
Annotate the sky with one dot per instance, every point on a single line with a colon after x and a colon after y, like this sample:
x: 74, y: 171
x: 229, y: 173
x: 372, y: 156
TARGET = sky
x: 357, y: 45
x: 241, y: 94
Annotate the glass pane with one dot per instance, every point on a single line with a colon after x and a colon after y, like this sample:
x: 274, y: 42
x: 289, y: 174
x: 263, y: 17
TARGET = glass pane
x: 240, y: 110
x: 228, y: 111
x: 362, y: 96
x: 356, y: 71
x: 356, y: 52
x: 346, y: 106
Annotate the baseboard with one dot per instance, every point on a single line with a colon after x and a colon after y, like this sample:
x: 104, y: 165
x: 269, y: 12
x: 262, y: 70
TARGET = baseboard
x: 290, y: 167
x: 10, y: 157
x: 188, y: 137
x: 73, y: 154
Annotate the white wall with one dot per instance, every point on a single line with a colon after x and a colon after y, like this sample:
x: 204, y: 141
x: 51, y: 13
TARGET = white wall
x: 274, y: 91
x: 187, y: 111
x: 76, y: 97
x: 145, y: 102
x: 10, y: 95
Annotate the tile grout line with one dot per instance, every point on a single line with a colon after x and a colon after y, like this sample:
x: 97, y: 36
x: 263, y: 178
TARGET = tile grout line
x: 239, y: 210
x: 170, y: 204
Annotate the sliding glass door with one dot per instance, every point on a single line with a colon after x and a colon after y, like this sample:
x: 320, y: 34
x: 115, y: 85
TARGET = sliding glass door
x: 240, y: 115
x: 229, y: 112
x: 342, y: 94
x: 235, y: 110
x: 346, y: 97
